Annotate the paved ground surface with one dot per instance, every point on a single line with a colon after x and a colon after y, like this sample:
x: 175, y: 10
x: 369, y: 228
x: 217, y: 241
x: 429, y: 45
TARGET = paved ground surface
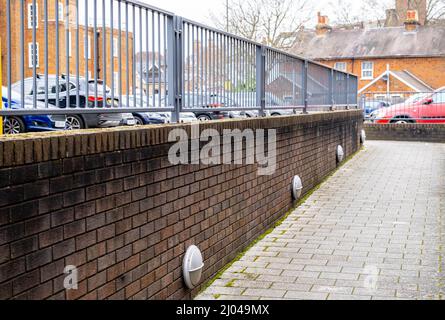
x: 375, y: 230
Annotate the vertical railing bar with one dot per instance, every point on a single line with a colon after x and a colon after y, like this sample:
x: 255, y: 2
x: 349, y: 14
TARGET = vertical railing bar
x: 119, y: 54
x: 104, y: 54
x: 153, y: 59
x: 201, y: 48
x: 112, y: 52
x: 127, y: 49
x: 57, y: 54
x: 189, y: 75
x: 87, y: 51
x: 45, y: 4
x: 34, y: 55
x: 159, y: 61
x: 96, y: 56
x: 193, y: 65
x: 206, y: 65
x: 147, y: 60
x: 22, y: 56
x: 141, y: 83
x: 347, y: 91
x: 133, y: 56
x: 77, y: 56
x: 8, y: 49
x: 165, y: 63
x: 67, y: 53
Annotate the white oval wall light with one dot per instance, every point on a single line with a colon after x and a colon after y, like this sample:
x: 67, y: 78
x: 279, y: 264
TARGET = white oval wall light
x: 192, y: 267
x: 363, y: 137
x: 340, y: 154
x: 297, y: 187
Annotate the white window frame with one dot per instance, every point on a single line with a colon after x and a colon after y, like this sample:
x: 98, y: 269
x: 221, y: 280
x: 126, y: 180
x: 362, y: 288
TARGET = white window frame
x: 30, y: 55
x: 366, y: 76
x: 337, y: 66
x: 30, y: 16
x: 61, y: 11
x: 115, y: 48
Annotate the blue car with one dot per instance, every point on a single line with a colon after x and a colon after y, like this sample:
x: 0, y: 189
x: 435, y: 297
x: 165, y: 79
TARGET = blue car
x: 372, y: 105
x: 31, y: 123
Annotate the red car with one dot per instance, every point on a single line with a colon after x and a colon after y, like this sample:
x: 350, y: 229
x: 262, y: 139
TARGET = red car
x: 429, y: 108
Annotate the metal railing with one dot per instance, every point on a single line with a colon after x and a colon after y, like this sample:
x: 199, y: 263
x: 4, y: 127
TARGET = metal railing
x: 83, y: 56
x: 404, y: 107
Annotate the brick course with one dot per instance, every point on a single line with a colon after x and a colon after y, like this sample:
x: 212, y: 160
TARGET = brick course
x: 124, y: 216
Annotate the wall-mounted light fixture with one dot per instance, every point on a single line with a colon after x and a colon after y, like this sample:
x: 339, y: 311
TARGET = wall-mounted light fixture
x: 340, y: 154
x: 192, y: 267
x: 297, y: 187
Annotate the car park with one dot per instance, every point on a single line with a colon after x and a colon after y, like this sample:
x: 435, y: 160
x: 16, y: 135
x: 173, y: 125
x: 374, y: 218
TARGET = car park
x: 425, y: 109
x: 28, y: 123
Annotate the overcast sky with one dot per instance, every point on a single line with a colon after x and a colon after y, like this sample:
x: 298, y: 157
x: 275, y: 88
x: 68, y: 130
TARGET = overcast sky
x: 199, y: 10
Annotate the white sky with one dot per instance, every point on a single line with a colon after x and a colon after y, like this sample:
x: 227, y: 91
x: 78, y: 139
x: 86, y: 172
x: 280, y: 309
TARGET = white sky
x: 199, y: 10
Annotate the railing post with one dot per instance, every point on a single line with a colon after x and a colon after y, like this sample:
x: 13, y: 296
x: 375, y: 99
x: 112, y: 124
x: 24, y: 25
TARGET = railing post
x: 174, y: 65
x: 305, y: 89
x: 261, y: 79
x: 331, y: 90
x: 347, y: 91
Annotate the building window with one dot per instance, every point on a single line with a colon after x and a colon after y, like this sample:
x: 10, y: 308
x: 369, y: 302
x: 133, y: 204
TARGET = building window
x: 115, y: 48
x: 340, y: 66
x: 367, y: 70
x: 33, y: 60
x: 33, y: 17
x: 61, y: 17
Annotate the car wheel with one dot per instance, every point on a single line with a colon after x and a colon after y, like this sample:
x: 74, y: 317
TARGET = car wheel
x: 139, y: 121
x: 13, y: 125
x: 402, y: 121
x: 204, y: 117
x: 275, y: 114
x: 74, y: 122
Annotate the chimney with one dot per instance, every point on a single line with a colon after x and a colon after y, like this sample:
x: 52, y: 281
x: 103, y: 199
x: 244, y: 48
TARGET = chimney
x: 322, y: 27
x: 392, y: 20
x: 412, y: 20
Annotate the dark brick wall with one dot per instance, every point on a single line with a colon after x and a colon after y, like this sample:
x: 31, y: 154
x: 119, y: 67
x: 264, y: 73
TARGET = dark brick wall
x: 110, y: 203
x: 406, y: 132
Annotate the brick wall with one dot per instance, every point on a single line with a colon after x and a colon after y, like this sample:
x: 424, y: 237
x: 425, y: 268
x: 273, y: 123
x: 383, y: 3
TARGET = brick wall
x: 430, y: 70
x: 406, y: 132
x: 110, y: 203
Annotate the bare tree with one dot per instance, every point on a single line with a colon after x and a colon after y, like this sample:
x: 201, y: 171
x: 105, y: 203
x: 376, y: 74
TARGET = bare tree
x: 348, y: 12
x: 264, y: 20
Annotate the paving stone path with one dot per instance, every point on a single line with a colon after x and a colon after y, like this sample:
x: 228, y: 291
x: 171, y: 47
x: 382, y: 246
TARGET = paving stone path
x: 375, y: 230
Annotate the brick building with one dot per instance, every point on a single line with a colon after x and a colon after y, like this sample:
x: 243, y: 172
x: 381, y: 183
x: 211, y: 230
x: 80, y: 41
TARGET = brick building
x: 404, y: 56
x: 65, y: 29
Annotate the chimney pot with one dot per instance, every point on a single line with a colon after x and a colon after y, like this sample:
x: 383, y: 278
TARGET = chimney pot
x: 323, y: 25
x: 412, y: 20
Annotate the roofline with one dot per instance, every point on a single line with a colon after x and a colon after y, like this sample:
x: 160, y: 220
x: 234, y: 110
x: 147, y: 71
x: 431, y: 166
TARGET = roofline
x: 380, y: 57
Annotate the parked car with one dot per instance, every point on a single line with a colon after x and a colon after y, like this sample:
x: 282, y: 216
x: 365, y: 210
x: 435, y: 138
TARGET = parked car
x: 81, y: 120
x: 144, y: 118
x: 429, y: 109
x: 208, y: 102
x: 28, y: 123
x: 369, y: 106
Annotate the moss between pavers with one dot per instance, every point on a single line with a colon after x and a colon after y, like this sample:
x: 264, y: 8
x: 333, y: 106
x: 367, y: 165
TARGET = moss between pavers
x: 277, y: 224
